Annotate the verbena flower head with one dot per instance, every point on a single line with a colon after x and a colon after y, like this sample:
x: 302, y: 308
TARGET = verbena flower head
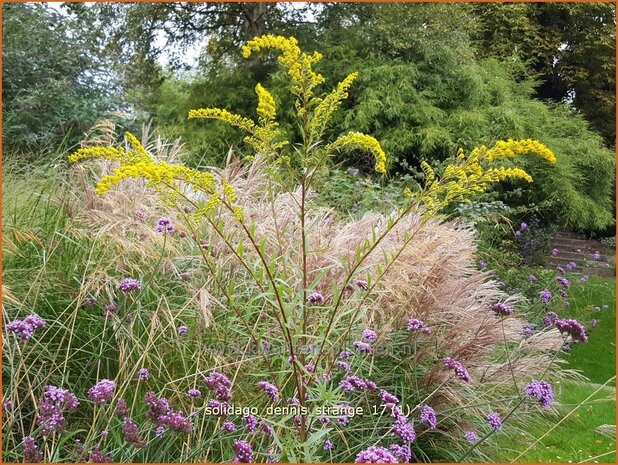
x: 158, y: 407
x: 176, y: 421
x: 345, y: 366
x: 402, y: 453
x: 571, y: 266
x: 573, y: 328
x: 159, y: 431
x: 369, y: 335
x: 25, y: 328
x: 460, y: 370
x: 471, y: 437
x: 387, y: 398
x: 403, y: 429
x: 221, y: 384
x: 555, y: 252
x: 110, y: 309
x: 164, y: 225
x: 502, y: 309
x: 542, y: 391
x: 560, y: 269
x: 131, y: 433
x: 563, y: 281
x: 532, y: 278
x: 494, y: 421
x: 315, y: 298
x: 328, y: 445
x: 90, y: 301
x: 527, y: 331
x: 98, y: 456
x: 375, y: 454
x: 129, y: 285
x: 102, y: 392
x: 182, y: 330
x: 483, y: 264
x: 193, y: 393
x: 270, y: 390
x: 122, y: 410
x: 355, y: 383
x: 267, y: 429
x: 243, y: 452
x: 362, y: 347
x: 583, y: 279
x: 428, y: 416
x: 143, y: 374
x: 251, y: 421
x: 523, y: 226
x: 415, y: 324
x: 31, y: 451
x: 545, y: 296
x: 52, y: 405
x: 597, y: 255
x: 362, y: 284
x: 229, y: 427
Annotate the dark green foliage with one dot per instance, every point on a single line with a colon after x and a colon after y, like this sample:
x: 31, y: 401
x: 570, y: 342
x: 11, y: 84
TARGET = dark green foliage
x: 54, y: 82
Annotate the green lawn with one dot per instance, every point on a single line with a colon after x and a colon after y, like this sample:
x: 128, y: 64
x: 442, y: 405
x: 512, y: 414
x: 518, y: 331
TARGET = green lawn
x: 583, y: 406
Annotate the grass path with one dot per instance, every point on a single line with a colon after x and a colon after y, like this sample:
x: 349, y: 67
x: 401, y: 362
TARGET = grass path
x: 584, y: 408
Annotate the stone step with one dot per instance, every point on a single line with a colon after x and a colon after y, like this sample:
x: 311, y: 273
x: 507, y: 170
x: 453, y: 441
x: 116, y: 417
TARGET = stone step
x: 582, y: 270
x: 571, y: 255
x: 579, y: 243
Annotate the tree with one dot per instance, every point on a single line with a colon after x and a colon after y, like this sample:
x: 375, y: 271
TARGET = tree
x: 55, y: 80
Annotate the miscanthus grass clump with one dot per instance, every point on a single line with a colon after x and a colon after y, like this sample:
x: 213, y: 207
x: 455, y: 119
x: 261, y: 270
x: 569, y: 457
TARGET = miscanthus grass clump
x: 221, y: 315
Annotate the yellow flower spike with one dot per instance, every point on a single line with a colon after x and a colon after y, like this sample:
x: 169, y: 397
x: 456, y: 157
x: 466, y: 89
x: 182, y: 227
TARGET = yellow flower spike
x: 239, y: 214
x: 357, y: 140
x: 225, y: 116
x: 266, y: 103
x: 138, y: 153
x: 327, y: 106
x: 512, y: 148
x: 108, y: 153
x: 228, y: 191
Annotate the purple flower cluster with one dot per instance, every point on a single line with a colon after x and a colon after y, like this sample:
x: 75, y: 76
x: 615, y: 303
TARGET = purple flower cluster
x: 182, y: 330
x: 52, y: 405
x: 345, y: 366
x: 129, y: 285
x: 110, y: 309
x: 387, y: 398
x: 583, y: 279
x: 355, y: 383
x: 573, y: 328
x: 160, y: 412
x: 597, y: 255
x: 270, y: 390
x: 362, y: 347
x: 369, y: 335
x: 251, y: 421
x: 483, y: 264
x: 375, y: 454
x: 471, y: 437
x: 243, y: 452
x: 554, y: 252
x: 362, y: 284
x: 415, y: 324
x: 563, y: 281
x: 549, y: 318
x: 571, y: 266
x: 32, y: 454
x: 545, y: 296
x: 229, y: 427
x: 102, y: 392
x: 98, y: 456
x: 460, y: 370
x: 527, y: 331
x: 193, y: 393
x: 328, y: 445
x: 164, y: 224
x: 542, y: 391
x: 403, y: 429
x: 266, y: 428
x: 494, y: 421
x: 402, y: 453
x: 532, y: 278
x: 353, y: 171
x: 502, y: 309
x: 90, y: 301
x: 221, y: 384
x: 131, y: 432
x: 315, y: 298
x: 143, y: 374
x: 25, y: 328
x: 428, y: 416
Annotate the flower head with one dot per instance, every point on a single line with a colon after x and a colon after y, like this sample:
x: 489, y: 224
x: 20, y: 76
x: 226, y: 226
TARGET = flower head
x: 328, y: 445
x: 369, y: 335
x: 243, y: 452
x: 545, y: 296
x: 362, y: 347
x: 315, y: 298
x: 375, y: 454
x: 193, y: 393
x: 554, y: 252
x: 129, y: 285
x: 25, y: 328
x: 573, y: 328
x: 102, y: 392
x: 471, y: 437
x: 182, y: 330
x: 143, y: 374
x: 428, y: 416
x: 494, y: 421
x: 270, y: 390
x: 403, y: 429
x: 502, y: 309
x: 164, y: 224
x: 542, y: 391
x: 131, y: 433
x: 32, y: 454
x: 229, y: 427
x: 460, y: 370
